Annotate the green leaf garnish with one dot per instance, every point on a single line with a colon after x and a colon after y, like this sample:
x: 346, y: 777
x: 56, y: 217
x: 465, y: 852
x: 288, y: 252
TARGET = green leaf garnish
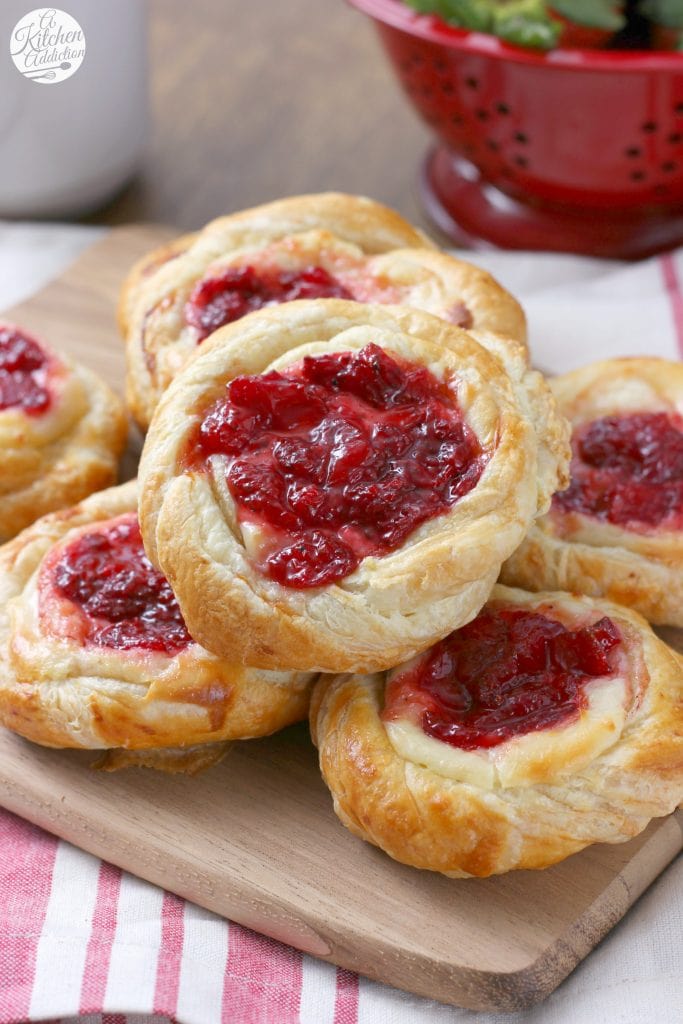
x: 522, y: 22
x: 591, y: 13
x: 472, y: 14
x: 526, y: 23
x: 534, y: 33
x: 668, y: 13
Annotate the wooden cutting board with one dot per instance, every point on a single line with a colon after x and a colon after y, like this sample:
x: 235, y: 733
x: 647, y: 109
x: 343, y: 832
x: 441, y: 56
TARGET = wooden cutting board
x: 255, y: 838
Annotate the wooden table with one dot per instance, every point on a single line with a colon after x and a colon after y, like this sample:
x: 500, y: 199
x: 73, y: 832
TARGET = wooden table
x: 254, y: 99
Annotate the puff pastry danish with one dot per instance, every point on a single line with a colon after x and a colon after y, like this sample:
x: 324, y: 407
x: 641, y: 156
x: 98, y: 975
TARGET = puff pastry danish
x: 62, y: 431
x: 94, y: 652
x: 317, y: 246
x: 618, y: 530
x: 330, y: 485
x: 547, y: 723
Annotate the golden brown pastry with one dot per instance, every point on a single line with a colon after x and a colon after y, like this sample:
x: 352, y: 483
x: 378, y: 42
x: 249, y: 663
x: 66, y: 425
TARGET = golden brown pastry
x: 547, y: 723
x: 62, y: 431
x: 312, y: 246
x: 618, y: 530
x: 94, y: 652
x: 353, y: 490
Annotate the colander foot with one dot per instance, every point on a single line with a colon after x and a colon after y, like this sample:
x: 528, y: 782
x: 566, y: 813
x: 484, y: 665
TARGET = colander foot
x: 476, y: 214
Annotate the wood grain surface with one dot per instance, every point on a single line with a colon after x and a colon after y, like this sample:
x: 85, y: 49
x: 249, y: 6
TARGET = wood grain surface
x: 252, y: 101
x: 255, y: 838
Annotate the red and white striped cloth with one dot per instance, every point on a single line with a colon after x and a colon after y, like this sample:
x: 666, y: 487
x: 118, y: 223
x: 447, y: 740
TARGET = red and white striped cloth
x: 78, y: 935
x: 80, y: 938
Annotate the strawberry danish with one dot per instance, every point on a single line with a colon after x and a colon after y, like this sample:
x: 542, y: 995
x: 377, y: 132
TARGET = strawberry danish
x: 62, y: 431
x: 331, y: 485
x: 617, y: 530
x: 547, y: 723
x: 306, y: 247
x: 95, y: 653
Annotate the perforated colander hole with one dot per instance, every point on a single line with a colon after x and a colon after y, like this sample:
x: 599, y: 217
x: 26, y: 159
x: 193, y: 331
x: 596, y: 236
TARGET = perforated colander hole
x: 471, y: 82
x: 637, y: 175
x: 669, y: 166
x: 521, y: 138
x: 503, y: 109
x: 521, y: 161
x: 440, y: 65
x: 633, y: 151
x: 493, y: 145
x: 482, y: 115
x: 675, y: 138
x: 448, y: 88
x: 649, y: 127
x: 678, y: 109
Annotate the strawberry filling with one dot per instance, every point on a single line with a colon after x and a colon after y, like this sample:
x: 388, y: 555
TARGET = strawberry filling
x: 628, y: 470
x: 23, y: 373
x: 338, y: 458
x: 125, y: 603
x: 216, y: 301
x: 506, y: 673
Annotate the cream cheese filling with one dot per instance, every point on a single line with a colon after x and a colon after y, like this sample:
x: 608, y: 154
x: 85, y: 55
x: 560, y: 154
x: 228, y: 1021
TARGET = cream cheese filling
x: 534, y: 758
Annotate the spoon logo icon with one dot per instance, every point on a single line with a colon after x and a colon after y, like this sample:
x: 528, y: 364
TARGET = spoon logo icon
x: 47, y: 45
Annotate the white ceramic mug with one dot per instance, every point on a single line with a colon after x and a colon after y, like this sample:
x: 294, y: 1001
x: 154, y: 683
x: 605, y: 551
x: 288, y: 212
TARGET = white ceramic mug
x: 73, y: 104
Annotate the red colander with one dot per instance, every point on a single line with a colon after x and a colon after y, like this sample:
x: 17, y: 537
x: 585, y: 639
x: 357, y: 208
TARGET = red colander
x: 573, y: 150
